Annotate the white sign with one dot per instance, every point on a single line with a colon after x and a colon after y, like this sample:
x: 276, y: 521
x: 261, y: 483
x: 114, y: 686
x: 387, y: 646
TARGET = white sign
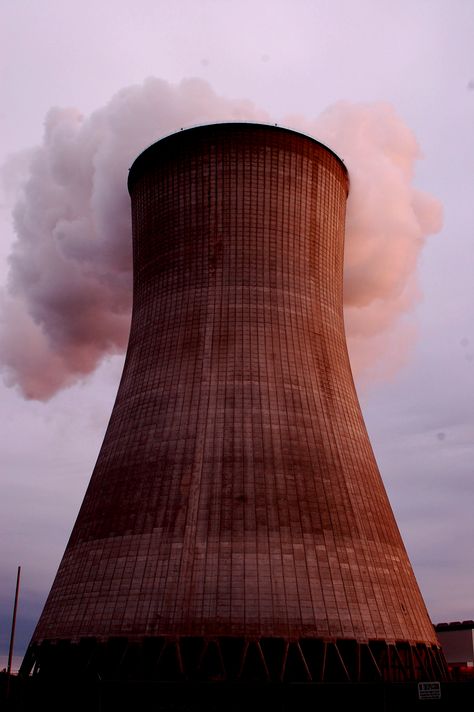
x: 429, y: 691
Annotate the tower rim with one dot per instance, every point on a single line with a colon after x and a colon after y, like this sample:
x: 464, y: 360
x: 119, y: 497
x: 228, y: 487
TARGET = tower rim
x: 144, y: 156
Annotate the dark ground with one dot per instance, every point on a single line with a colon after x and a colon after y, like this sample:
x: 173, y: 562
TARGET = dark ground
x: 33, y: 694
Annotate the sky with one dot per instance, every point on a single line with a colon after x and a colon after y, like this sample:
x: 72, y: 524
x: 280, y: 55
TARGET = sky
x: 390, y: 85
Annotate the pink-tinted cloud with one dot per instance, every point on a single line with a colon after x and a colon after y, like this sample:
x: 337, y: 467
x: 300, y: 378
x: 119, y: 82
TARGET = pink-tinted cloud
x: 388, y: 221
x: 69, y: 292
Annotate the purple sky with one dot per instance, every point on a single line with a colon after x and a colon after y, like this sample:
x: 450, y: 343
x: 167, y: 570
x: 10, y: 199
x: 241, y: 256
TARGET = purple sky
x: 287, y: 58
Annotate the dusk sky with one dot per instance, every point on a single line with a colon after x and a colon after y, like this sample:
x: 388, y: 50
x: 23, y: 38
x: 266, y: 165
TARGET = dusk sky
x: 87, y: 86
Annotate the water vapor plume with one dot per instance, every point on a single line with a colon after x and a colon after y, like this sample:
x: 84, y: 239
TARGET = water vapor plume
x: 68, y: 301
x: 388, y: 221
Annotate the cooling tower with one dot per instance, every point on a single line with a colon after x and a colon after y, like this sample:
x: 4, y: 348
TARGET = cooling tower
x: 236, y: 526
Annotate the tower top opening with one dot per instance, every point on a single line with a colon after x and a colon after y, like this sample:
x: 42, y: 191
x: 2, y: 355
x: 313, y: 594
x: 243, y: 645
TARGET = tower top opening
x: 202, y: 131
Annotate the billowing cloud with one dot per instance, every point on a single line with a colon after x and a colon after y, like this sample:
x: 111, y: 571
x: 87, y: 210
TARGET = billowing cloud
x: 388, y: 221
x: 69, y: 293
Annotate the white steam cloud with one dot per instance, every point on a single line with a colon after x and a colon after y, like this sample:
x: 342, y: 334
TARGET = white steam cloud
x: 69, y: 293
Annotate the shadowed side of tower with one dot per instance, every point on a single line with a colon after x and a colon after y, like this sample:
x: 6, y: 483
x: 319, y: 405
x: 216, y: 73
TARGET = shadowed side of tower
x: 236, y: 525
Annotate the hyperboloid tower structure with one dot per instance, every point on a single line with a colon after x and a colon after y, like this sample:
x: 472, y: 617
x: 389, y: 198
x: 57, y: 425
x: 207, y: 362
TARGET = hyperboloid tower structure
x: 236, y: 526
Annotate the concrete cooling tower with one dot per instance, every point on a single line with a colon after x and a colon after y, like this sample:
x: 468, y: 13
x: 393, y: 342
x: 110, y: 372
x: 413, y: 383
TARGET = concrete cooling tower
x: 236, y: 526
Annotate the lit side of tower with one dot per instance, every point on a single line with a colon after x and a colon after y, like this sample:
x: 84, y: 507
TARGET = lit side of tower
x: 236, y: 524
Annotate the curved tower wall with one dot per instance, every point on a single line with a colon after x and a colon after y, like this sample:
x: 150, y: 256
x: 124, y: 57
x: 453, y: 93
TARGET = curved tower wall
x: 236, y: 494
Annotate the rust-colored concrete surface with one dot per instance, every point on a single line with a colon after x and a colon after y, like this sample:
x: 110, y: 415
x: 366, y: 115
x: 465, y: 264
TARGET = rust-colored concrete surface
x: 236, y: 492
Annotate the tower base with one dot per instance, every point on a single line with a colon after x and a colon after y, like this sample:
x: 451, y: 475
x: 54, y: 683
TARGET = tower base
x: 236, y: 660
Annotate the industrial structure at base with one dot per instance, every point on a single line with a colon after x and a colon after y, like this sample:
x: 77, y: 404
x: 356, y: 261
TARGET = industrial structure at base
x: 236, y: 526
x: 457, y: 640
